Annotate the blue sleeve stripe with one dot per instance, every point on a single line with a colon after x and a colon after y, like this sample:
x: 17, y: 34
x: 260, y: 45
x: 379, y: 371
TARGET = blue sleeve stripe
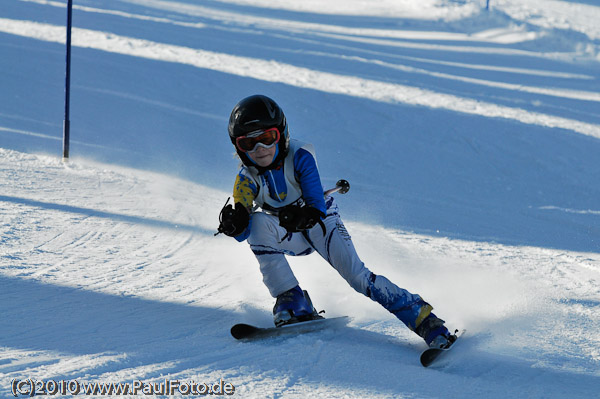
x: 307, y: 173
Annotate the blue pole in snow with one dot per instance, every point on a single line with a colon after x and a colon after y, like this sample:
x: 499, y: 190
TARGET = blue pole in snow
x: 67, y: 122
x: 487, y: 5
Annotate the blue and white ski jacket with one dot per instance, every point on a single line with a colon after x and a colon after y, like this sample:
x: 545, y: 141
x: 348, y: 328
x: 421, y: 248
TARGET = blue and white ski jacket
x: 296, y: 180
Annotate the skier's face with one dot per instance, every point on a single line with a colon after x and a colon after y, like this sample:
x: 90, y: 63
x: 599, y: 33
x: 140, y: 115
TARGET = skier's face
x: 263, y: 156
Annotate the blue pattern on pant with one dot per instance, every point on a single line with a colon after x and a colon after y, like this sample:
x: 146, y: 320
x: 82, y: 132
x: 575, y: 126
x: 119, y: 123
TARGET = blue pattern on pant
x: 405, y: 306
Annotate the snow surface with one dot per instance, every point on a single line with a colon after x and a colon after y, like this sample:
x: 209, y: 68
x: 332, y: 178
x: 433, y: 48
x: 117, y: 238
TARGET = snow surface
x: 471, y: 140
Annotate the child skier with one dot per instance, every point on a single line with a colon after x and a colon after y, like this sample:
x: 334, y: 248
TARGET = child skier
x: 280, y: 176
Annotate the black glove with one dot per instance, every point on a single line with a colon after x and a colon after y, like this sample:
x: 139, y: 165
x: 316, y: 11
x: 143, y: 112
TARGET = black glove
x: 295, y: 218
x: 233, y: 221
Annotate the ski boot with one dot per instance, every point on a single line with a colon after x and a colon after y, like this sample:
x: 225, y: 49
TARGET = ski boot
x: 435, y: 334
x: 293, y: 306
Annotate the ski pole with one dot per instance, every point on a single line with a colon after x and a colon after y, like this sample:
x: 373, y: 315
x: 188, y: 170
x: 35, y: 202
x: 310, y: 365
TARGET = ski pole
x: 342, y: 186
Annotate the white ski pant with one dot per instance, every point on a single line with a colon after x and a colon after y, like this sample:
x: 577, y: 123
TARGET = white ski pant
x: 269, y: 243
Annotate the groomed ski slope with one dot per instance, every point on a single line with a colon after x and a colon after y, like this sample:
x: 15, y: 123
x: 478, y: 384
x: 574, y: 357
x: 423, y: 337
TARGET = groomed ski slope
x: 470, y: 139
x: 113, y: 275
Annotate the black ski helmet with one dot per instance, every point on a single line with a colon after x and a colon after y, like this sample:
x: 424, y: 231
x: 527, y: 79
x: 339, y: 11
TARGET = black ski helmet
x: 254, y: 113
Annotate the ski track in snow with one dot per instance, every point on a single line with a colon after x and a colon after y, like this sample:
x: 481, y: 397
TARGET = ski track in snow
x: 112, y: 274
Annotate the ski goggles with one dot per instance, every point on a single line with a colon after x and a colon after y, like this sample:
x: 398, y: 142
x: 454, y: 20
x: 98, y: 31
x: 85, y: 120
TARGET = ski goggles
x: 263, y: 138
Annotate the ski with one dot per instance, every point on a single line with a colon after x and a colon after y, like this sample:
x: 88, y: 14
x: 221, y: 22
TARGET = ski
x: 249, y: 332
x: 431, y: 354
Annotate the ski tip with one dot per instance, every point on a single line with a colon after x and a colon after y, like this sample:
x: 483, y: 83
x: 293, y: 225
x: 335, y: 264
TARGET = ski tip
x: 241, y: 331
x: 429, y: 355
